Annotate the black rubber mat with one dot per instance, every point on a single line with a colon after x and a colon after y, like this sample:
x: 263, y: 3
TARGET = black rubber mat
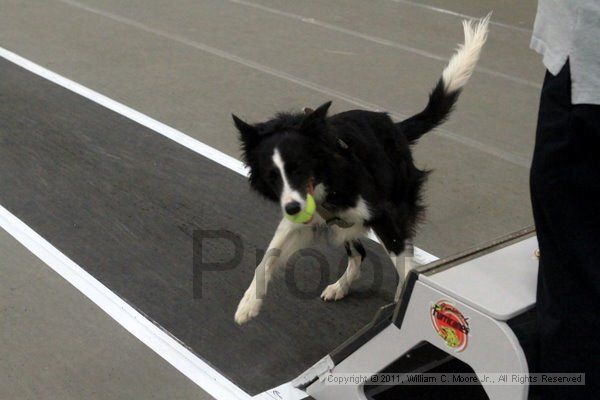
x: 123, y: 202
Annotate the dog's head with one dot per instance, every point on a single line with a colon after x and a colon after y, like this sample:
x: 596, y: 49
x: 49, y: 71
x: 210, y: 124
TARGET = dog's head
x: 284, y: 154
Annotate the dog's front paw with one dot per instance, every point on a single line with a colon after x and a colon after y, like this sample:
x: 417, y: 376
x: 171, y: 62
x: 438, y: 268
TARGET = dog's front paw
x: 335, y: 291
x: 248, y: 308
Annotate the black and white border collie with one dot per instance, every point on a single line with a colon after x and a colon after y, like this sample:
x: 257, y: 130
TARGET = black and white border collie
x: 359, y: 169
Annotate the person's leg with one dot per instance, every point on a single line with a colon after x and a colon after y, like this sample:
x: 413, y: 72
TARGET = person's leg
x: 565, y: 194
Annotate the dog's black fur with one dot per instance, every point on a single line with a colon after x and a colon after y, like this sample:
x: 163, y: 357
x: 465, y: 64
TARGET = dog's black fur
x: 354, y: 153
x: 358, y: 167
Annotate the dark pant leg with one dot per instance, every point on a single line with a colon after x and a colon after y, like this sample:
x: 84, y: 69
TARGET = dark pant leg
x: 565, y: 194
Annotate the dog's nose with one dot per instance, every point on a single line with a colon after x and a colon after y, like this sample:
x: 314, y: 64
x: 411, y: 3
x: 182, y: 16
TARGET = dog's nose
x: 292, y: 208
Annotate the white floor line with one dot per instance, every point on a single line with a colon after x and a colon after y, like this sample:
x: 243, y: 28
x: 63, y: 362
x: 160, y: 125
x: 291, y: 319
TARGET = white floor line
x: 460, y: 15
x: 146, y: 331
x: 165, y: 130
x: 520, y: 161
x: 382, y: 41
x: 421, y: 257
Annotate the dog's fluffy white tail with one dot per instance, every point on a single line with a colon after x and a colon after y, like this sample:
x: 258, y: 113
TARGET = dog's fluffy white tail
x: 455, y: 76
x: 461, y: 65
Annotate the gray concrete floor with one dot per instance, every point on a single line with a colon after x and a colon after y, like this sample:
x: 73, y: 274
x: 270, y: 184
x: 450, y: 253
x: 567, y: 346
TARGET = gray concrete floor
x: 191, y: 63
x: 57, y: 344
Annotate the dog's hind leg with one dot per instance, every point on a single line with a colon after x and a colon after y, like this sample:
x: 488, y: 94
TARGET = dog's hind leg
x: 288, y: 239
x: 336, y: 291
x: 398, y: 246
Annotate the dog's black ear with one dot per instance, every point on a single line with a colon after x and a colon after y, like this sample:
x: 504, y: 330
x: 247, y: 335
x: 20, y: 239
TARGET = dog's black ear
x: 248, y: 133
x: 316, y: 119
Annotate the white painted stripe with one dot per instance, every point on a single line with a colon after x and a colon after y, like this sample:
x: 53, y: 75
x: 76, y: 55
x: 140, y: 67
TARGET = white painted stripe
x: 165, y: 130
x: 421, y: 256
x: 460, y: 15
x: 382, y: 41
x: 486, y: 148
x: 146, y: 331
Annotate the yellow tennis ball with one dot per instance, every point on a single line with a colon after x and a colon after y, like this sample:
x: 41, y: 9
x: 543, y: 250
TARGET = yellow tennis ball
x: 306, y: 213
